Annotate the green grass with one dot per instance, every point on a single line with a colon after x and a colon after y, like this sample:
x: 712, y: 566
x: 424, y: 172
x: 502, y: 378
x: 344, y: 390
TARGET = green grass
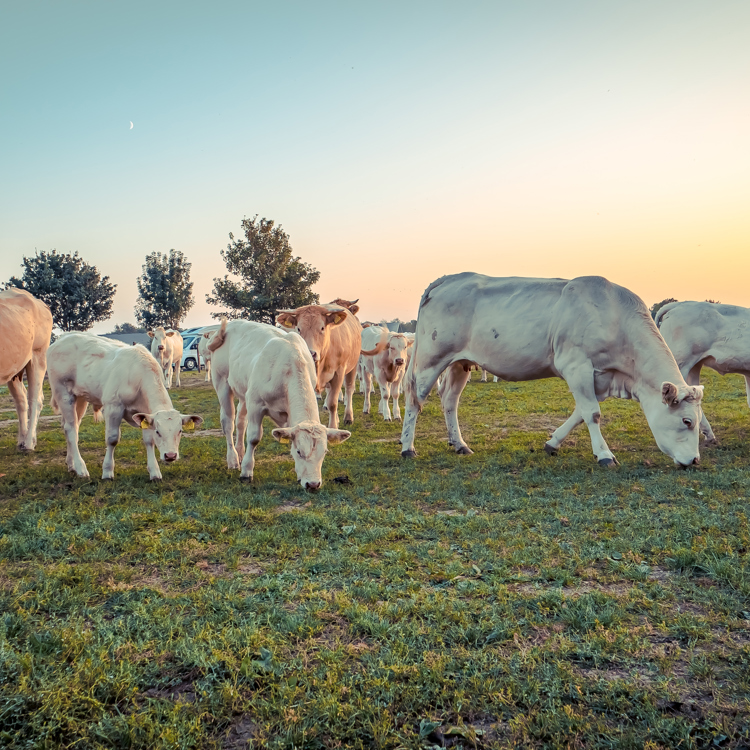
x: 503, y: 599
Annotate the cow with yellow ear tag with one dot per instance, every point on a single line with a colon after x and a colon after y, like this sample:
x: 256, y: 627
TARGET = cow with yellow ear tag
x: 121, y: 382
x: 334, y: 337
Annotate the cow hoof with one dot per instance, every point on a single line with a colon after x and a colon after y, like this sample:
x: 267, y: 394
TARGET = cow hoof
x: 153, y: 479
x: 23, y: 449
x: 348, y: 421
x: 549, y: 450
x: 464, y: 450
x: 246, y: 480
x: 610, y: 463
x: 411, y: 453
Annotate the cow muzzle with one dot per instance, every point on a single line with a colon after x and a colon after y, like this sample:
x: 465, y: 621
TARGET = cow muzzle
x: 161, y: 348
x: 169, y: 457
x: 312, y: 486
x: 399, y: 362
x: 314, y: 355
x: 695, y: 462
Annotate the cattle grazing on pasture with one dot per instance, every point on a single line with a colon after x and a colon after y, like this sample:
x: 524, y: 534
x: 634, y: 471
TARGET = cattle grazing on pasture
x: 25, y: 332
x: 272, y: 374
x: 204, y: 353
x: 166, y: 346
x: 385, y: 355
x: 334, y: 337
x: 707, y: 334
x: 120, y: 382
x: 597, y: 336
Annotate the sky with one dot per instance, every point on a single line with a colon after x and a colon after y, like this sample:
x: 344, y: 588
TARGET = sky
x: 393, y: 142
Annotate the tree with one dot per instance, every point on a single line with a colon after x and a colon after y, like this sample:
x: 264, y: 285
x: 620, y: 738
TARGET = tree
x: 270, y: 278
x: 128, y: 328
x: 165, y: 292
x: 658, y: 306
x: 77, y: 295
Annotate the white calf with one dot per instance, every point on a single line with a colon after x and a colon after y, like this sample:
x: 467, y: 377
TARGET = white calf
x: 166, y: 346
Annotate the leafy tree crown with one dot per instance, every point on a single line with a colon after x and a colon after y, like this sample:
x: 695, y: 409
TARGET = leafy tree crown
x: 268, y: 276
x: 165, y: 292
x: 77, y: 295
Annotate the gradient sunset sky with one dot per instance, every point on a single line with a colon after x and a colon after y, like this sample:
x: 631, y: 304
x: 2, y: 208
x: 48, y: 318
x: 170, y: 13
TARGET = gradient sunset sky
x: 394, y: 142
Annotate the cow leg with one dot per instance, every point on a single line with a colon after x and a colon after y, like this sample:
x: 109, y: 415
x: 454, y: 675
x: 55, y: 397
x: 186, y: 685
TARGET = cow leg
x: 349, y: 383
x: 385, y: 394
x: 81, y: 405
x: 241, y: 424
x: 226, y: 404
x: 177, y: 370
x: 417, y: 389
x: 484, y: 376
x: 254, y: 422
x: 495, y: 379
x: 693, y: 377
x: 208, y: 371
x: 154, y: 473
x: 35, y: 377
x: 580, y: 380
x: 332, y: 399
x: 457, y: 377
x: 18, y: 394
x: 562, y: 432
x: 395, y: 393
x: 67, y: 405
x: 367, y: 390
x: 747, y: 386
x: 112, y: 421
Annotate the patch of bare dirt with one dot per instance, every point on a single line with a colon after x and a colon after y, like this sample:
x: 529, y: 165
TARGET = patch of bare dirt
x: 290, y: 507
x: 42, y: 420
x: 203, y: 433
x: 584, y: 587
x: 240, y: 733
x: 183, y: 692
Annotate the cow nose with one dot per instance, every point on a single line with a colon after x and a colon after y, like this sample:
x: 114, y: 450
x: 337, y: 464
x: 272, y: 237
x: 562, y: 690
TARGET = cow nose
x: 169, y: 457
x: 399, y: 361
x: 314, y: 355
x: 161, y: 348
x: 696, y: 461
x: 312, y: 485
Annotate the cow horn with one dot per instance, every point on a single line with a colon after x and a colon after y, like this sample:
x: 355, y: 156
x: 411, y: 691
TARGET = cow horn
x: 379, y: 346
x: 291, y: 312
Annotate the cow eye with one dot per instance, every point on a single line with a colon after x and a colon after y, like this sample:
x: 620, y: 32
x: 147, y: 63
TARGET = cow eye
x: 688, y: 422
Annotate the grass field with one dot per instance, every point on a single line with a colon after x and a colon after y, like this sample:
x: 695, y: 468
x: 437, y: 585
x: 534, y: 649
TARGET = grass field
x: 503, y: 599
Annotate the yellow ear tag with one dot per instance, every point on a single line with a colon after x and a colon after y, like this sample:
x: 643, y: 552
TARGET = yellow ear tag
x: 189, y: 425
x: 339, y: 318
x: 288, y: 324
x: 283, y: 440
x: 144, y: 424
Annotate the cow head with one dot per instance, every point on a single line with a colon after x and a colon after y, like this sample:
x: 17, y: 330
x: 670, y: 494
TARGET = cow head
x: 313, y: 323
x: 398, y: 346
x: 309, y: 444
x: 350, y: 305
x: 167, y: 426
x: 674, y: 420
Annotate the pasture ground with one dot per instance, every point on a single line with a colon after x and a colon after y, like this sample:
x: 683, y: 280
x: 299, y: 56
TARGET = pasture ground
x: 503, y: 599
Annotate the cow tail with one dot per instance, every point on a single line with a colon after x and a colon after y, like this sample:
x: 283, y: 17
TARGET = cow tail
x: 379, y: 346
x: 662, y: 312
x: 410, y: 379
x: 53, y: 403
x: 218, y: 338
x: 98, y: 416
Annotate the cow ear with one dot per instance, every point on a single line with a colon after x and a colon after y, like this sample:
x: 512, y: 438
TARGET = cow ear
x: 409, y: 342
x: 353, y: 309
x: 282, y: 434
x: 191, y: 421
x: 669, y: 393
x: 170, y: 333
x: 695, y: 394
x: 288, y: 320
x: 337, y: 436
x: 335, y: 317
x: 151, y: 333
x: 143, y: 421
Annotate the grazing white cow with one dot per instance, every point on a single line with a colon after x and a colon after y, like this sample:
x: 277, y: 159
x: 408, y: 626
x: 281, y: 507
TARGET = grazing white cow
x: 166, y: 346
x: 385, y: 355
x: 707, y: 334
x: 597, y: 336
x: 334, y: 337
x: 204, y: 352
x: 273, y: 375
x: 122, y: 382
x: 25, y: 331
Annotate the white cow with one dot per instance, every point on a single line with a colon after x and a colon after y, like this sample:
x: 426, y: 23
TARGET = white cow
x: 385, y: 354
x: 707, y: 334
x: 204, y: 353
x: 273, y: 375
x: 597, y: 336
x: 25, y: 331
x: 166, y: 346
x: 122, y: 382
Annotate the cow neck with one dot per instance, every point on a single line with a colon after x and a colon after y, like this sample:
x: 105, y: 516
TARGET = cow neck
x: 303, y: 406
x: 154, y: 391
x: 653, y: 361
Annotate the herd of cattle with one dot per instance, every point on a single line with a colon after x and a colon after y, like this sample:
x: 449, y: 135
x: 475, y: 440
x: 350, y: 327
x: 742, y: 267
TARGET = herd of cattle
x: 597, y: 336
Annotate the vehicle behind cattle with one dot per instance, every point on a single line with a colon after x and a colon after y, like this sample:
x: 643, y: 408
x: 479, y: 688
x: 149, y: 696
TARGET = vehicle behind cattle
x: 120, y: 382
x: 25, y: 332
x: 597, y: 336
x: 272, y: 374
x: 334, y: 337
x: 166, y: 347
x: 707, y: 334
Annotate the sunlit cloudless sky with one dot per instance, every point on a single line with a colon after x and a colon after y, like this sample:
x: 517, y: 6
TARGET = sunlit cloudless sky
x: 394, y: 142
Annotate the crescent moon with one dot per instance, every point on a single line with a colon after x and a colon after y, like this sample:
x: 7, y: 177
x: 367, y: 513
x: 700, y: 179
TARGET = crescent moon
x: 131, y: 125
